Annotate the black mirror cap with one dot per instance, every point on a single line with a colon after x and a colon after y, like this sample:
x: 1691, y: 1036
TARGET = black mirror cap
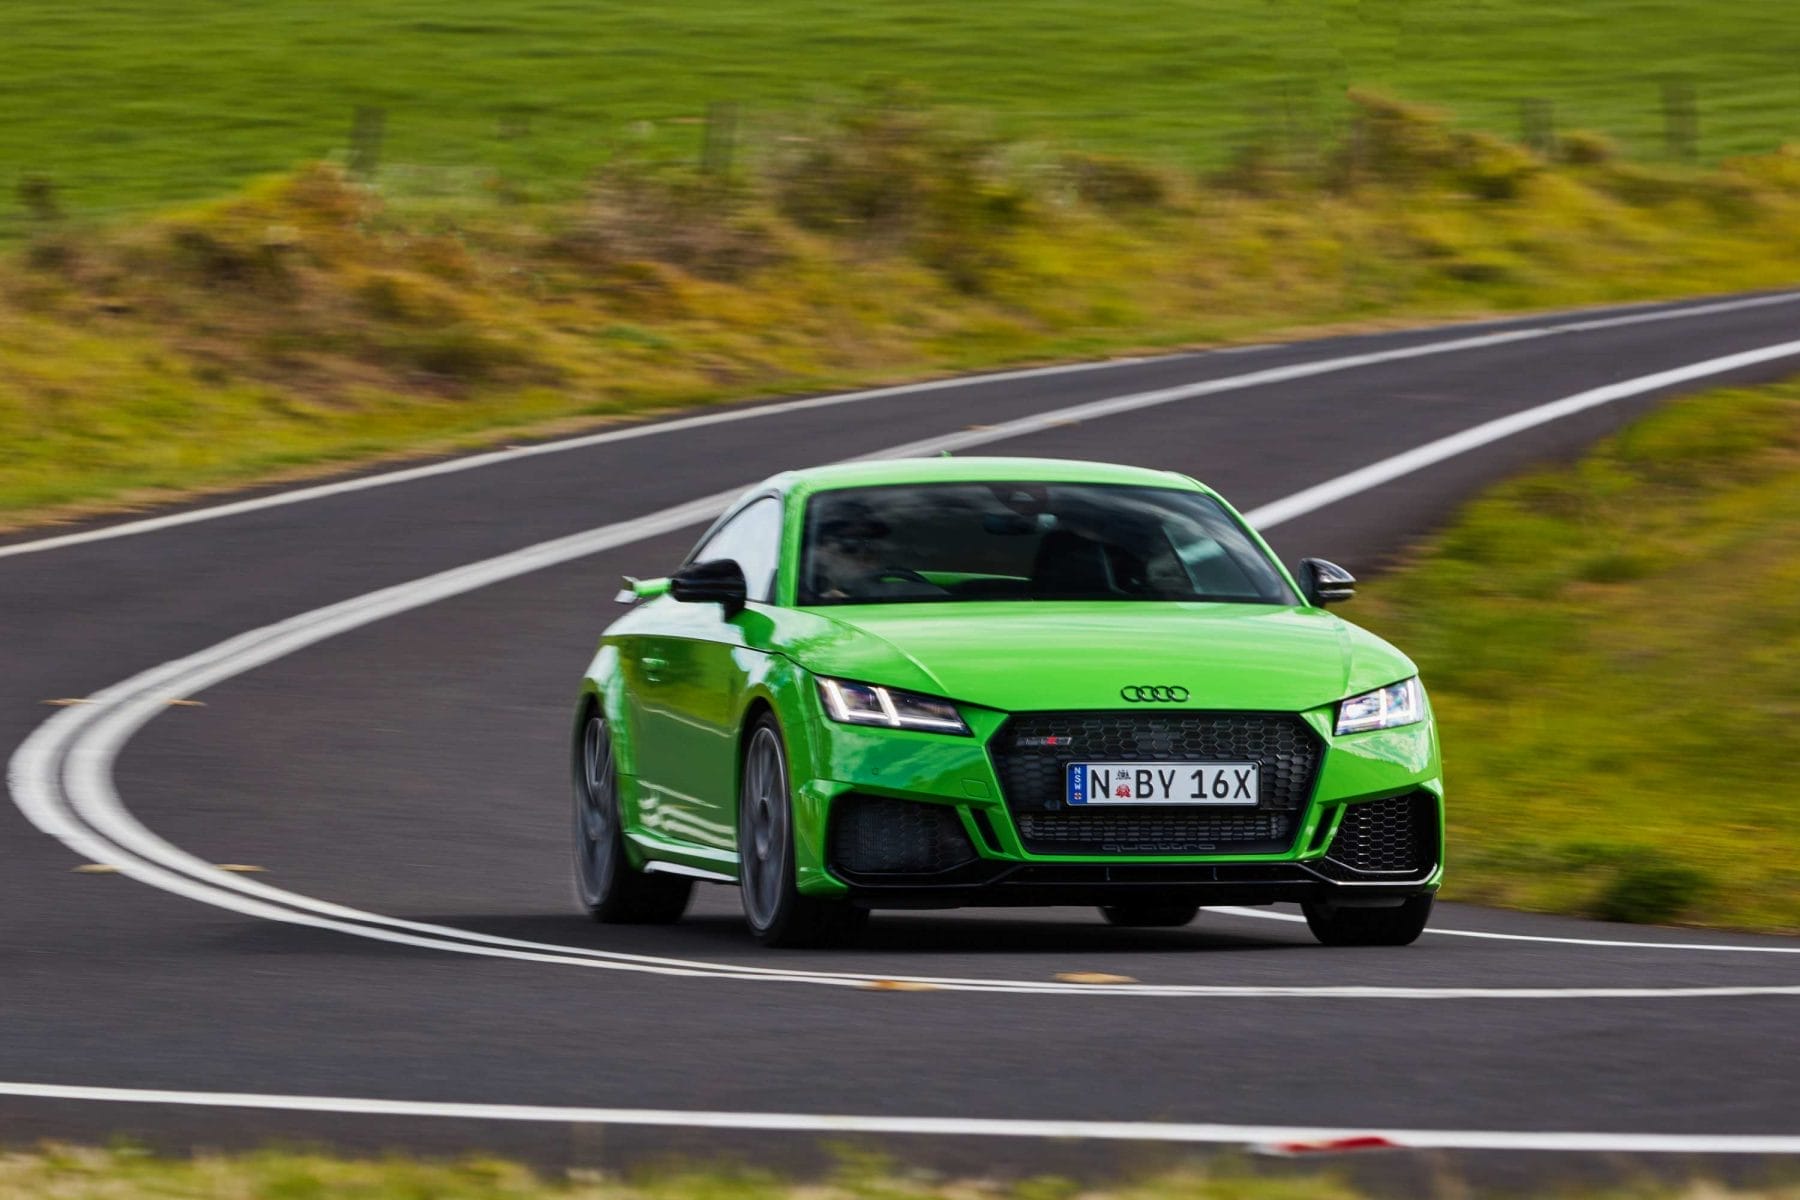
x: 1324, y: 582
x: 720, y: 579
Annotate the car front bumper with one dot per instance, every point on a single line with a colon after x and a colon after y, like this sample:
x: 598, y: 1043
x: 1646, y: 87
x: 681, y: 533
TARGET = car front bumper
x: 896, y: 819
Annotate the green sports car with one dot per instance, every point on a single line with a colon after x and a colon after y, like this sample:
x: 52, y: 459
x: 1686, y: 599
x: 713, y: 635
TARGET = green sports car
x: 1001, y: 681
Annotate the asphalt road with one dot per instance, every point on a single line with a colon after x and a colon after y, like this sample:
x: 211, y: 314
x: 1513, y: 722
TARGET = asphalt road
x: 411, y: 769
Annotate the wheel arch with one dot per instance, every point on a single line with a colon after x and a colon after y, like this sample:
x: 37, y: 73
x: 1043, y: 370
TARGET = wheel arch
x: 603, y: 689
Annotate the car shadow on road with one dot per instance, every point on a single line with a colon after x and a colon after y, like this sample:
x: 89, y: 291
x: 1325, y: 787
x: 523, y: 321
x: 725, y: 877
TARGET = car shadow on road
x: 711, y: 934
x: 720, y: 935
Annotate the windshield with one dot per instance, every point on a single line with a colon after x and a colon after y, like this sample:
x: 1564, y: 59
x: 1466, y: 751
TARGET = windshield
x: 916, y: 543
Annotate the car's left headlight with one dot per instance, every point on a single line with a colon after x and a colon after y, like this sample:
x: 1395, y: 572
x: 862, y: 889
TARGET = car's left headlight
x: 872, y: 704
x: 1400, y: 703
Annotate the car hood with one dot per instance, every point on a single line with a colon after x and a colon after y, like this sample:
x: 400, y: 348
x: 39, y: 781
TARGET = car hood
x: 1023, y: 655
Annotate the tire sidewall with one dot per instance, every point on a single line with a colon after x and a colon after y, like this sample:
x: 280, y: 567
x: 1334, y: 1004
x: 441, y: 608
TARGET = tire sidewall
x: 782, y: 910
x: 595, y: 895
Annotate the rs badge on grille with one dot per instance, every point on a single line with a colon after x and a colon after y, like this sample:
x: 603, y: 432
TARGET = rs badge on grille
x: 1035, y: 742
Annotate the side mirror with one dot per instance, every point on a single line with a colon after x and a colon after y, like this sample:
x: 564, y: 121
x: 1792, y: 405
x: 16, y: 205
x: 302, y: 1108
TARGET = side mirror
x: 1325, y: 582
x: 720, y: 580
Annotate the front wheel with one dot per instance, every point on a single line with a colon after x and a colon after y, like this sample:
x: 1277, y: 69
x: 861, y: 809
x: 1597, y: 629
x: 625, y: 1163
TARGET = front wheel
x: 1399, y: 926
x: 778, y: 915
x: 607, y: 885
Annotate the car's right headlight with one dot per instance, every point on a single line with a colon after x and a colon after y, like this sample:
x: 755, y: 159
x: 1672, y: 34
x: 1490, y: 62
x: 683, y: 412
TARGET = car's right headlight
x: 872, y: 704
x: 1396, y: 704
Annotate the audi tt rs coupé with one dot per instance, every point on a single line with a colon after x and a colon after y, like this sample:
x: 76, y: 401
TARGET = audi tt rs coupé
x: 991, y: 681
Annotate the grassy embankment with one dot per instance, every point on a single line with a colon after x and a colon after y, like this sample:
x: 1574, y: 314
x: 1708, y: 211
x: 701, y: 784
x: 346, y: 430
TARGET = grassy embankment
x: 1611, y: 649
x: 78, y: 1174
x: 306, y: 320
x: 136, y: 104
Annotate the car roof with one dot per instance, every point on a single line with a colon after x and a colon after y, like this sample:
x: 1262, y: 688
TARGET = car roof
x: 975, y: 469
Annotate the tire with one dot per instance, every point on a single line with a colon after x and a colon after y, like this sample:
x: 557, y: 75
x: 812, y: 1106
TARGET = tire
x: 611, y: 890
x: 1149, y: 916
x: 1369, y: 926
x: 778, y: 915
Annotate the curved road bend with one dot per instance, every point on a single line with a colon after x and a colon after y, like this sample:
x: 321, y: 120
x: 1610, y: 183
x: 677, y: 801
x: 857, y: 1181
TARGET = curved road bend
x: 411, y: 769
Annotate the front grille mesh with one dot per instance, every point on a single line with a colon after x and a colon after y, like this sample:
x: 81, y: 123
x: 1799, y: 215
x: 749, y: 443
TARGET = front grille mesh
x: 1384, y: 837
x: 876, y: 835
x: 1032, y: 750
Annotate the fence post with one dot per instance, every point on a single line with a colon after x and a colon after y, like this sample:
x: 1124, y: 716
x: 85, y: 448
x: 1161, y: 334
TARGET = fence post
x: 367, y: 129
x: 38, y: 194
x: 718, y: 143
x: 1537, y: 125
x: 1681, y: 120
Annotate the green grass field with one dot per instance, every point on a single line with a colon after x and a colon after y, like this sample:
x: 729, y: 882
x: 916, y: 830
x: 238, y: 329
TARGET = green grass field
x: 71, y: 1173
x: 135, y: 104
x: 1611, y: 652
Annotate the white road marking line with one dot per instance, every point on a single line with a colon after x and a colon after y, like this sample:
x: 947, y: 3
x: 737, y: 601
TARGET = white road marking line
x: 1609, y: 943
x: 1488, y: 432
x: 471, y: 462
x: 84, y: 741
x: 727, y: 415
x: 840, y: 1123
x: 203, y: 883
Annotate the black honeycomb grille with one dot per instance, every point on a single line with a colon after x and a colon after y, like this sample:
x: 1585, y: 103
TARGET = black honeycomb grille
x: 1032, y: 750
x: 1384, y: 837
x: 876, y: 835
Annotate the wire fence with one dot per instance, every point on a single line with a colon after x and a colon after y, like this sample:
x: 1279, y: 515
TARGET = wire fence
x: 548, y: 153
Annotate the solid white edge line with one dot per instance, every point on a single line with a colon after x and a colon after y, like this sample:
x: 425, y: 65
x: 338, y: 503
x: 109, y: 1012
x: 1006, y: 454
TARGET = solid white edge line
x: 722, y: 416
x: 836, y: 1123
x: 648, y: 427
x: 90, y: 779
x: 1488, y: 432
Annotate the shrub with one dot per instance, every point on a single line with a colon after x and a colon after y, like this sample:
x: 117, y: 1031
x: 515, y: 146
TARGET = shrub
x: 1651, y: 891
x: 1113, y: 183
x: 633, y: 214
x: 1584, y: 148
x: 890, y: 170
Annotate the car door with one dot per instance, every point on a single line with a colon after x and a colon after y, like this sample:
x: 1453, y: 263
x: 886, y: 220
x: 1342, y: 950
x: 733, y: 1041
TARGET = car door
x: 692, y: 676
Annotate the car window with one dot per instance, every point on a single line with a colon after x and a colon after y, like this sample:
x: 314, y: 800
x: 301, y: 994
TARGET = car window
x: 1029, y: 541
x: 753, y: 540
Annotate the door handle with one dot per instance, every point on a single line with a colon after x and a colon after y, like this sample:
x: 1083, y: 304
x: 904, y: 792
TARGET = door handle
x: 652, y: 665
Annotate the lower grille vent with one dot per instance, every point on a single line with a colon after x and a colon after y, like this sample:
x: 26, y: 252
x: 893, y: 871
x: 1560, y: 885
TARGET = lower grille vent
x: 876, y: 835
x: 1155, y: 831
x: 1384, y: 837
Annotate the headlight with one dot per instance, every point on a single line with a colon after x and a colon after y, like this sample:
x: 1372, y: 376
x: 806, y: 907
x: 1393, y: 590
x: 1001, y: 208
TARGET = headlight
x: 870, y: 704
x: 1396, y: 704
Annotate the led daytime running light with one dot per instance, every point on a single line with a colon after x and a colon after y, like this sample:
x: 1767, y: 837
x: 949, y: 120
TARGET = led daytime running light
x: 872, y: 704
x: 1384, y: 708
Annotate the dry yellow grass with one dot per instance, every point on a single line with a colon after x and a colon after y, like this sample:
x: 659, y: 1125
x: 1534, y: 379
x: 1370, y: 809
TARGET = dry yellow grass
x: 308, y: 322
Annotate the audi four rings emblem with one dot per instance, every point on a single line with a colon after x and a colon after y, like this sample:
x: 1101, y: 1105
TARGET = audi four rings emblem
x: 1154, y: 695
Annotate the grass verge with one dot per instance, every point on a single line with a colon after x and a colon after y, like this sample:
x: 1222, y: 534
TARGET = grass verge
x: 307, y: 320
x: 69, y: 1173
x: 1610, y: 648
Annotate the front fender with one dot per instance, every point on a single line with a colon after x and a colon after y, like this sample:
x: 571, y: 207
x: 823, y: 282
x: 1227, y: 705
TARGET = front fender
x: 786, y: 689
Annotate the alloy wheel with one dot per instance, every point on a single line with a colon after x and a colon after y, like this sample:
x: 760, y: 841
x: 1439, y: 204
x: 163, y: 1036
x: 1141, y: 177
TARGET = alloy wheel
x: 765, y: 841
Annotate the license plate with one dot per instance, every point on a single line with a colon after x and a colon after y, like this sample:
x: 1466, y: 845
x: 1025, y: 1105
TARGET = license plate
x: 1164, y: 783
